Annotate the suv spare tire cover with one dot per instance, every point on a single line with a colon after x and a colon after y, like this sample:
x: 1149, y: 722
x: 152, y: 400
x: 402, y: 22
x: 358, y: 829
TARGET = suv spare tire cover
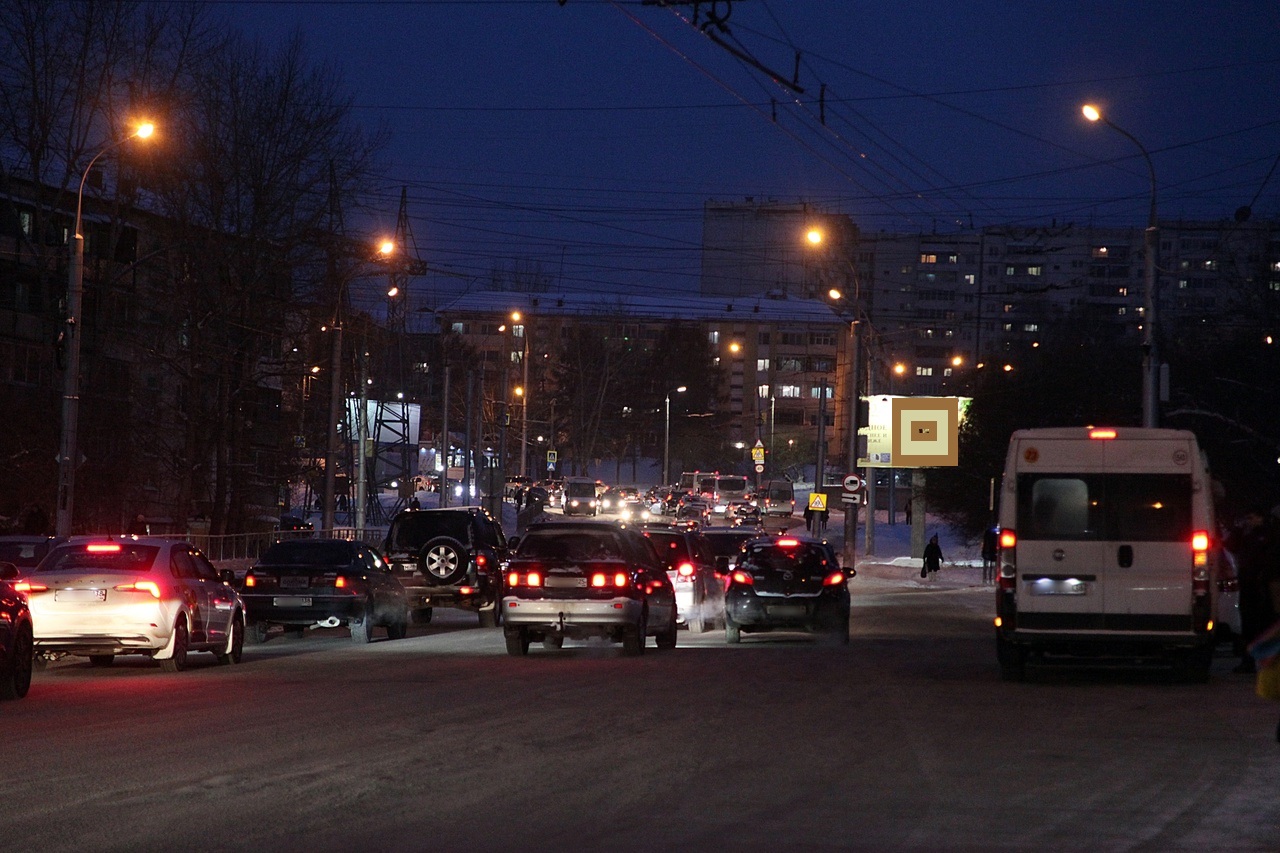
x: 443, y: 560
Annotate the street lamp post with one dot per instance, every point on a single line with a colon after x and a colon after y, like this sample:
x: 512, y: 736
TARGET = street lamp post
x: 523, y: 392
x: 1150, y: 351
x: 666, y: 439
x: 68, y: 452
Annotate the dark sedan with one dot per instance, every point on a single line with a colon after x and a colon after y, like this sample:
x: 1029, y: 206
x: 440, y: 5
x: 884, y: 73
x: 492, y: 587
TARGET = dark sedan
x: 324, y: 583
x: 787, y: 584
x: 17, y: 649
x: 587, y: 579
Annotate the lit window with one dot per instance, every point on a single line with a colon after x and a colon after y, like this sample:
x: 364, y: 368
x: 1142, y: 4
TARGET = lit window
x: 762, y: 365
x: 1030, y: 327
x: 970, y: 278
x: 789, y: 391
x: 946, y: 371
x: 928, y: 259
x: 713, y: 337
x: 1035, y: 270
x: 816, y: 392
x: 762, y: 391
x: 517, y: 330
x: 924, y: 371
x: 459, y: 328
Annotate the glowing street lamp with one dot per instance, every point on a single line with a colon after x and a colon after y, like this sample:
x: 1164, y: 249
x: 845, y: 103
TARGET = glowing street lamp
x: 68, y: 451
x: 1150, y: 352
x: 666, y: 439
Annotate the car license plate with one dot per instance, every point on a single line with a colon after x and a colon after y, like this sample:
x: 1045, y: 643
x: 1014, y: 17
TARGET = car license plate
x: 294, y: 582
x: 79, y: 595
x: 1046, y: 586
x: 565, y: 583
x: 291, y: 601
x: 786, y: 610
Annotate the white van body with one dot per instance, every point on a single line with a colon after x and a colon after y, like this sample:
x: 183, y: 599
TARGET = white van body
x: 1106, y: 548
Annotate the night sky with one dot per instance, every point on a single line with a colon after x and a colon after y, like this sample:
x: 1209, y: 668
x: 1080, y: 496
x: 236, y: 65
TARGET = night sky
x: 580, y: 141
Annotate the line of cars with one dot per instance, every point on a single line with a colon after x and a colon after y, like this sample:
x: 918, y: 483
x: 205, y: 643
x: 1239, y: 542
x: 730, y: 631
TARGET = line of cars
x: 100, y: 597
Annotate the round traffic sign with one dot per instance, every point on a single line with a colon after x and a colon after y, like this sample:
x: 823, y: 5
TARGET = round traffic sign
x: 852, y: 483
x: 759, y: 469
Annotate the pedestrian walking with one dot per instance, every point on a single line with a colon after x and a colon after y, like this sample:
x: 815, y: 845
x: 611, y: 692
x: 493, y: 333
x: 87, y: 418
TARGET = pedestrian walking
x: 808, y: 518
x: 932, y: 557
x: 907, y: 510
x: 414, y: 503
x: 989, y: 553
x: 519, y: 497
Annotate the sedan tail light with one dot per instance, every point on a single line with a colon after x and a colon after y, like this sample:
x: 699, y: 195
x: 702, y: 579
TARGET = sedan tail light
x: 530, y: 577
x: 618, y: 580
x: 30, y: 586
x: 140, y: 586
x: 685, y: 570
x: 742, y: 577
x: 833, y: 579
x: 250, y: 581
x: 340, y: 582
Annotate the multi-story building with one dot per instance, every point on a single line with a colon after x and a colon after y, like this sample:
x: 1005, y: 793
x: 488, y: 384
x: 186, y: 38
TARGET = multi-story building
x: 774, y: 357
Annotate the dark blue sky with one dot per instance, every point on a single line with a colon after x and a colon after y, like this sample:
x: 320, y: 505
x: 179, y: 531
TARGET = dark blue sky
x: 582, y: 140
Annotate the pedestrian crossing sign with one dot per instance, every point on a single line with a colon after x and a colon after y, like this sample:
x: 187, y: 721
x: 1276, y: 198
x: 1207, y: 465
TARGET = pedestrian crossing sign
x: 818, y: 501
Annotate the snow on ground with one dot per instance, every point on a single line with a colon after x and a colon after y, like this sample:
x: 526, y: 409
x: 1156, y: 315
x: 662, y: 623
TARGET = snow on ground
x: 892, y: 564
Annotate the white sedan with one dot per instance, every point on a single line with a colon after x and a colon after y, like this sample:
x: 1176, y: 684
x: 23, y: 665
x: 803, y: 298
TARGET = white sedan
x: 99, y: 597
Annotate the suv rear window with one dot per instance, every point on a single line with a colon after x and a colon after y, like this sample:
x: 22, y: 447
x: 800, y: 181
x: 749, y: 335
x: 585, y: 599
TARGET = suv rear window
x: 411, y: 530
x: 1107, y: 507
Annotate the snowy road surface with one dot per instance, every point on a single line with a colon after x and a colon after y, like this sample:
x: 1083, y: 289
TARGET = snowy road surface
x: 905, y: 739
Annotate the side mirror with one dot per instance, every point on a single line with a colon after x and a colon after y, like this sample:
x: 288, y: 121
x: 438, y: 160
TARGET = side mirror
x: 8, y: 571
x: 513, y: 542
x: 227, y: 576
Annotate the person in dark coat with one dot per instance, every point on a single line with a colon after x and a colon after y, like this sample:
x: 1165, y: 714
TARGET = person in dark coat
x: 808, y: 518
x: 932, y: 555
x: 989, y: 554
x: 1253, y: 546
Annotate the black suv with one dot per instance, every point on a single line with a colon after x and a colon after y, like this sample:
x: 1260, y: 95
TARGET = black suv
x: 449, y: 558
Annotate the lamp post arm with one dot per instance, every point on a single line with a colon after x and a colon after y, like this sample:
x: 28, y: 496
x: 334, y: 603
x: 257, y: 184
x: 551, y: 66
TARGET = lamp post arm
x: 1146, y: 156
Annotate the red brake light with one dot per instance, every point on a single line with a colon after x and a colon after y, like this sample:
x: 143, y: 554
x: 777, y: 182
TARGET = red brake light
x: 598, y: 579
x: 1200, y: 541
x: 620, y: 580
x: 685, y: 570
x: 787, y: 543
x: 743, y: 577
x: 1104, y: 434
x: 250, y: 580
x: 339, y: 582
x: 103, y: 548
x: 533, y: 579
x: 28, y: 586
x: 466, y: 590
x: 1008, y: 539
x: 481, y: 560
x: 141, y: 586
x: 513, y: 579
x: 833, y: 579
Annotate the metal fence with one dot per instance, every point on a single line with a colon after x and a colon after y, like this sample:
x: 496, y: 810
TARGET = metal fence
x: 237, y: 549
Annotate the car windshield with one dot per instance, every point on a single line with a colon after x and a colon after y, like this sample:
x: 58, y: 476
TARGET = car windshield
x: 671, y: 547
x: 733, y: 484
x: 580, y: 490
x: 778, y: 558
x: 129, y: 557
x: 726, y: 545
x: 317, y: 554
x: 574, y: 546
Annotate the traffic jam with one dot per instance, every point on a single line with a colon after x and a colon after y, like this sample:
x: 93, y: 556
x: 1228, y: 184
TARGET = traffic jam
x: 594, y: 564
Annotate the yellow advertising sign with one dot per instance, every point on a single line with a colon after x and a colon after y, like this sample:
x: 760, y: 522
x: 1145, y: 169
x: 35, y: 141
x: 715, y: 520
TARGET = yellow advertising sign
x: 913, y: 432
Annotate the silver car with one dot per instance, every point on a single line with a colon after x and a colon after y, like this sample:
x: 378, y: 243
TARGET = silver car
x: 99, y: 597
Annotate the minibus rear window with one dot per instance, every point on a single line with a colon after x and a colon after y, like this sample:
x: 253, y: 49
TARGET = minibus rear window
x: 1108, y: 507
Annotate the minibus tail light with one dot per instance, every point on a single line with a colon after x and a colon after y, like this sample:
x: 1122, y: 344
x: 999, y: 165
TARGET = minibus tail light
x: 1008, y: 561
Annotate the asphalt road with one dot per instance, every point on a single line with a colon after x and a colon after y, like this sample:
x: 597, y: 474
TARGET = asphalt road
x: 905, y: 740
